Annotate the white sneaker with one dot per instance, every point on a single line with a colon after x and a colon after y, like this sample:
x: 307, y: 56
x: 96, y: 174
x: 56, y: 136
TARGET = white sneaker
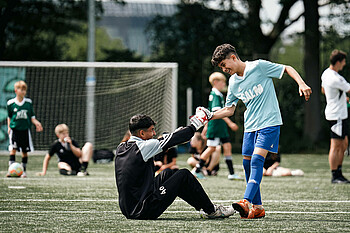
x: 24, y: 175
x: 83, y: 173
x: 234, y: 177
x: 220, y: 212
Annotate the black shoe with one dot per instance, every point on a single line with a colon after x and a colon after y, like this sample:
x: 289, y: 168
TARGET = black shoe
x: 340, y: 180
x: 344, y: 179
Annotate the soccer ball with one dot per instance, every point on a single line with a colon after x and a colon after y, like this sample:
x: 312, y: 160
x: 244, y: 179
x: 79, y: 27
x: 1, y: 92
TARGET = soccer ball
x: 15, y: 170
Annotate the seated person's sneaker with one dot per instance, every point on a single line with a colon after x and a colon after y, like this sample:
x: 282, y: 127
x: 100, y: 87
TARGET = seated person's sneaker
x: 24, y: 175
x: 220, y: 212
x: 340, y: 180
x: 344, y: 179
x: 242, y: 207
x: 256, y: 212
x: 234, y: 177
x: 82, y: 173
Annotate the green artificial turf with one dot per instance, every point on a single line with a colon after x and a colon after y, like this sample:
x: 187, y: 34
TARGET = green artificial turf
x: 56, y: 203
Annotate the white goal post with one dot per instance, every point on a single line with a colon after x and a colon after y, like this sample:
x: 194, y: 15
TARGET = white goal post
x: 122, y: 89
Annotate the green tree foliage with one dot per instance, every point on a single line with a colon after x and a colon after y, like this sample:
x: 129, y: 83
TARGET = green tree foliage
x: 51, y: 30
x: 29, y: 29
x: 189, y: 38
x: 107, y: 49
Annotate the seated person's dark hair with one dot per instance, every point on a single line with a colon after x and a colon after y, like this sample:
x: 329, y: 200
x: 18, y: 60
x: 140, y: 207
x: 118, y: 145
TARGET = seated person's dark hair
x: 139, y: 122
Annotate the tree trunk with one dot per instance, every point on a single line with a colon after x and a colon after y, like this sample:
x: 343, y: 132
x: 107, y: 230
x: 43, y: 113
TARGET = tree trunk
x: 312, y: 119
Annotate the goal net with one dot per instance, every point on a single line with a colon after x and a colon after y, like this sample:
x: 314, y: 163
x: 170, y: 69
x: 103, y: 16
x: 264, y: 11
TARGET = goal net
x: 59, y: 91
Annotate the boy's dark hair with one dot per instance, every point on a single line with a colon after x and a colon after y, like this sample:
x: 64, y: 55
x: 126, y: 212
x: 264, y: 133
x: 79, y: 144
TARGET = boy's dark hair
x: 139, y: 122
x: 337, y: 55
x: 221, y: 53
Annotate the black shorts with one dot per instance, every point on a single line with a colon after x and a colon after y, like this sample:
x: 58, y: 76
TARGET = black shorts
x: 21, y: 140
x: 339, y: 129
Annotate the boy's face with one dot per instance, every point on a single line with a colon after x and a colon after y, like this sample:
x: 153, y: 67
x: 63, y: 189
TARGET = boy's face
x: 21, y: 92
x: 220, y: 85
x: 63, y: 135
x: 148, y: 133
x: 229, y: 65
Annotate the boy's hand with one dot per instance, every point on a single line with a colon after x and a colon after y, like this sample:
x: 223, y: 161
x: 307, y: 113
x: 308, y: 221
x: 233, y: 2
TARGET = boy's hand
x: 204, y: 110
x: 233, y: 126
x: 40, y: 173
x: 305, y: 90
x: 38, y: 125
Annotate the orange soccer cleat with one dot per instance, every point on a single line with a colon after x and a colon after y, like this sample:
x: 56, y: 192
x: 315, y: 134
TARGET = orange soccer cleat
x: 256, y: 212
x: 242, y: 207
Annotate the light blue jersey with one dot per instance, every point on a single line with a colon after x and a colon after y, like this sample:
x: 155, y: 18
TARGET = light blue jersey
x: 257, y: 92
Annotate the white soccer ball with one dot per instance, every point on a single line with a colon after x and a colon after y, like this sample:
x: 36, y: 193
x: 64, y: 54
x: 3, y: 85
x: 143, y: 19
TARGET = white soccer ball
x: 15, y: 170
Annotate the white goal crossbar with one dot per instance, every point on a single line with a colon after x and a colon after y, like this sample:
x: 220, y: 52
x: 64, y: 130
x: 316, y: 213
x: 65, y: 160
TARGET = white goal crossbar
x: 59, y: 89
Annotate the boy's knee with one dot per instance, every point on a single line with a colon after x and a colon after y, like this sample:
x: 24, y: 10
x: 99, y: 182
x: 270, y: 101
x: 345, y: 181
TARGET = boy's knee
x: 88, y: 146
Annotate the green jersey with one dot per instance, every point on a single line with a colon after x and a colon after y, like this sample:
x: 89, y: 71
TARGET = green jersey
x: 216, y: 128
x: 20, y: 113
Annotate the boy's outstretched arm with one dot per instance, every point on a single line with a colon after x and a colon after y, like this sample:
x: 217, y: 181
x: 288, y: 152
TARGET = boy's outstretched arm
x: 303, y: 88
x: 224, y: 112
x: 233, y: 126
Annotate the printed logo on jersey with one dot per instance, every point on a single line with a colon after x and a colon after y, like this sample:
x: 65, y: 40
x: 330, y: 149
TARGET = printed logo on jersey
x: 211, y: 97
x: 162, y: 190
x: 251, y: 94
x: 61, y: 151
x: 22, y: 114
x: 15, y: 110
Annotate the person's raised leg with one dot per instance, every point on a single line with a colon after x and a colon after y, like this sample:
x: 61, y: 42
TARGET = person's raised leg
x: 86, y: 155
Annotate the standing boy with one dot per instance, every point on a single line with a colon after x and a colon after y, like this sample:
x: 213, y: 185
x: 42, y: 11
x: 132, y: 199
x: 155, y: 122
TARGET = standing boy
x: 20, y: 119
x: 71, y: 159
x: 143, y: 196
x: 335, y: 87
x: 216, y: 130
x: 251, y: 82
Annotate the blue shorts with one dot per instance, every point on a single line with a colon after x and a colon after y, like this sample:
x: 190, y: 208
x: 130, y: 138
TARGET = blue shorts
x: 266, y: 138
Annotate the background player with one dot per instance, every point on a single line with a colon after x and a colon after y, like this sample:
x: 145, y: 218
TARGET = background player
x: 251, y: 82
x: 71, y: 159
x: 216, y: 130
x: 141, y: 196
x: 335, y: 87
x: 20, y: 119
x: 166, y: 160
x: 198, y: 146
x: 272, y: 167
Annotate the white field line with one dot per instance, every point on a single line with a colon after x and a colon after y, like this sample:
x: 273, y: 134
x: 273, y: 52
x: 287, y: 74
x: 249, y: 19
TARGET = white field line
x: 169, y: 211
x: 215, y: 201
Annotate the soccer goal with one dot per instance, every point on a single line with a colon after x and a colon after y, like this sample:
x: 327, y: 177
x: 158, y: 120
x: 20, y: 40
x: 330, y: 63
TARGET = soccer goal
x: 61, y: 93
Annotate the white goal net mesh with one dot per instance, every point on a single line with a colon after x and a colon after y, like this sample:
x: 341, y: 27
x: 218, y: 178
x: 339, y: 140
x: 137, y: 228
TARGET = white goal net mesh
x: 59, y: 94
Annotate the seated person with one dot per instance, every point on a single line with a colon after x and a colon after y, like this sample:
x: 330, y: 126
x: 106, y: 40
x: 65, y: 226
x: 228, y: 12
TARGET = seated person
x: 166, y: 160
x: 198, y: 145
x: 272, y: 167
x: 71, y: 159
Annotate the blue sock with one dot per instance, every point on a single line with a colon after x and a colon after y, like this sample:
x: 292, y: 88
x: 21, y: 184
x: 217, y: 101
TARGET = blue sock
x: 257, y: 164
x: 257, y: 198
x: 246, y: 166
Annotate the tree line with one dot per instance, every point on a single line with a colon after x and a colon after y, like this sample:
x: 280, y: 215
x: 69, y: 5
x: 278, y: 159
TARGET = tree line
x: 43, y: 30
